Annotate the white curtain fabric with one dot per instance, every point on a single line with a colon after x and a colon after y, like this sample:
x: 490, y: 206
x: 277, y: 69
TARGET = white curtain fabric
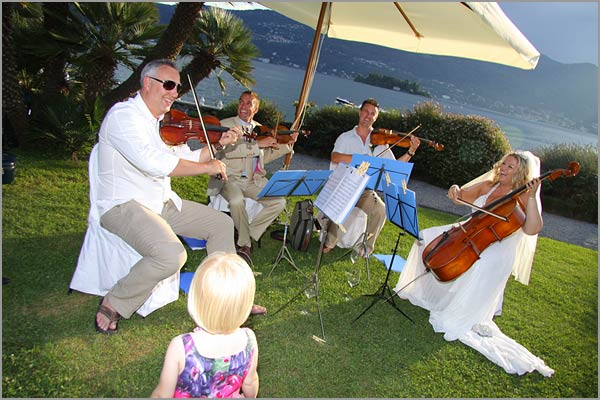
x: 105, y: 258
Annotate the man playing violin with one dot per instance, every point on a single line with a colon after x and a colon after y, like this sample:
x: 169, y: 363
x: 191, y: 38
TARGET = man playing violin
x: 358, y: 141
x: 135, y: 200
x: 245, y: 161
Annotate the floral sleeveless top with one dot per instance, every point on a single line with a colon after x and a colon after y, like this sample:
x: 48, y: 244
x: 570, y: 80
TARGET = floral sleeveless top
x: 213, y: 377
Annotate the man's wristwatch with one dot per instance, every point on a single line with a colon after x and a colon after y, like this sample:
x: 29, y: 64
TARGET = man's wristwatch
x: 218, y: 146
x: 410, y: 153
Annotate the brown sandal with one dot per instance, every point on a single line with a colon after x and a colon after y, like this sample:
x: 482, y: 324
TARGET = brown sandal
x: 113, y: 316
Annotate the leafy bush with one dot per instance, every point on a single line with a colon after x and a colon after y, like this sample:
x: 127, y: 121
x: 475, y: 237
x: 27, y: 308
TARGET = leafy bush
x: 471, y: 144
x: 325, y: 125
x: 574, y: 197
x: 62, y: 126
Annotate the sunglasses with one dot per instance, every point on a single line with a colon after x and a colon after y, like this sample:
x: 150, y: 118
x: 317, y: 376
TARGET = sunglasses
x: 168, y: 85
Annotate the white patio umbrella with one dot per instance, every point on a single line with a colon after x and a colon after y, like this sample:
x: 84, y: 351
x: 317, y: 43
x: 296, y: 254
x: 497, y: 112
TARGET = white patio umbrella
x: 475, y: 30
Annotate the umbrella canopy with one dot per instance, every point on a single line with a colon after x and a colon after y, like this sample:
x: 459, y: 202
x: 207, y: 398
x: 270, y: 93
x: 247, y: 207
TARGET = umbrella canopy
x: 475, y: 30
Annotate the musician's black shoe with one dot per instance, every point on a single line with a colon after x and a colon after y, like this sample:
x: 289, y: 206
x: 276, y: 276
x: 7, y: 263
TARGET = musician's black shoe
x: 245, y: 252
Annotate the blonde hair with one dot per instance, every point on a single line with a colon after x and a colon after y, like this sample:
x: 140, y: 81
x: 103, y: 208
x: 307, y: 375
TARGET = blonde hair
x: 221, y: 293
x: 522, y: 173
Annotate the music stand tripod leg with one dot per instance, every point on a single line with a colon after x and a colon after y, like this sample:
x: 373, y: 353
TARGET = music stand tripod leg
x: 361, y: 242
x: 284, y: 253
x: 313, y: 281
x: 380, y: 294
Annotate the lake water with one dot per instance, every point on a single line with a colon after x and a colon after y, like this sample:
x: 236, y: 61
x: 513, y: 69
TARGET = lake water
x: 281, y: 85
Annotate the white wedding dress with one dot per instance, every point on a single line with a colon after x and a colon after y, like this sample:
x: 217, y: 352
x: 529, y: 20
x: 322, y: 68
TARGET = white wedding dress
x: 463, y: 308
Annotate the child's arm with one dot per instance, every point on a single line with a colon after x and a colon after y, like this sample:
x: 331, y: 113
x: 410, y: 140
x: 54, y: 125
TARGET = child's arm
x: 172, y: 367
x: 250, y: 385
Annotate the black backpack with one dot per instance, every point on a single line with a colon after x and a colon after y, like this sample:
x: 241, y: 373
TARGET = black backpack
x: 301, y: 225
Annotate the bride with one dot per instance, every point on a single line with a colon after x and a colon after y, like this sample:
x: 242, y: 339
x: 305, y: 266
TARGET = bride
x: 464, y: 307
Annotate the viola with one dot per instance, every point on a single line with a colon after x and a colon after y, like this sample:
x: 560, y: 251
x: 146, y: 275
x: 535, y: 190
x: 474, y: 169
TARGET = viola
x: 453, y: 252
x: 388, y: 136
x: 281, y: 133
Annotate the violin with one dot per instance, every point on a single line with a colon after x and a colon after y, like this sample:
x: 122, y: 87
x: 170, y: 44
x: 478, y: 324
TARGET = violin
x: 453, y: 252
x: 281, y: 133
x: 177, y: 128
x: 388, y: 136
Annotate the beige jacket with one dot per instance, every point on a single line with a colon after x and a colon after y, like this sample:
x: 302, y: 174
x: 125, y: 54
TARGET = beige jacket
x: 239, y: 158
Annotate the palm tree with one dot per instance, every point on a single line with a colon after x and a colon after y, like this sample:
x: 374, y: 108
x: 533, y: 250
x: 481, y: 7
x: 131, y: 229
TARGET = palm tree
x: 108, y: 34
x: 13, y: 104
x: 54, y: 82
x: 172, y: 40
x: 221, y: 42
x: 94, y: 38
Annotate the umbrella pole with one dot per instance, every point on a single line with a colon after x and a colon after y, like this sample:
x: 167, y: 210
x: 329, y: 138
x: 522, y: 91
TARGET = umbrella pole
x: 308, y: 78
x: 310, y: 67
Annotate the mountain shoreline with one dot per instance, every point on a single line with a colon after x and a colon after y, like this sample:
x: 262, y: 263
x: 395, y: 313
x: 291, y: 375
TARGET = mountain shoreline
x: 563, y: 95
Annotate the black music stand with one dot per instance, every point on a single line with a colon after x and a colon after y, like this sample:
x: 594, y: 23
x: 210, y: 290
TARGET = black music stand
x: 401, y: 209
x: 338, y: 197
x: 394, y: 170
x: 292, y: 183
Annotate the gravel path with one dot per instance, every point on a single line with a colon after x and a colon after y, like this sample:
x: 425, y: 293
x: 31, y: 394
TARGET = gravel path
x: 580, y: 233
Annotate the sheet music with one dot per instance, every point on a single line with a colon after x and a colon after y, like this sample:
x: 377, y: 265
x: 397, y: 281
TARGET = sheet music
x: 341, y: 192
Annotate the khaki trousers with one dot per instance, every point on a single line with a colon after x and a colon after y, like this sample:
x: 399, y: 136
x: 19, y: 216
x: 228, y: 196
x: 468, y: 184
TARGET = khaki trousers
x: 154, y: 237
x: 374, y: 207
x: 234, y: 192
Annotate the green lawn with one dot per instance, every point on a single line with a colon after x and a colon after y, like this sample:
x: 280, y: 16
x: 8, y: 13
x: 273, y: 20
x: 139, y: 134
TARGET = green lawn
x: 50, y: 347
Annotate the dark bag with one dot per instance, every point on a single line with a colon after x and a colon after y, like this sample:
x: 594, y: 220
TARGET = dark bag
x: 301, y: 225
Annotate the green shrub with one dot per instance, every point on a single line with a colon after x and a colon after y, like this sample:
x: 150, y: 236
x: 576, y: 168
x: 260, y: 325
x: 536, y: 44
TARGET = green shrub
x: 471, y: 143
x: 63, y: 126
x: 325, y: 125
x: 573, y: 197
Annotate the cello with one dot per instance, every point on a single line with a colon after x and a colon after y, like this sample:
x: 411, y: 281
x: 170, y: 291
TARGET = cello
x: 453, y: 252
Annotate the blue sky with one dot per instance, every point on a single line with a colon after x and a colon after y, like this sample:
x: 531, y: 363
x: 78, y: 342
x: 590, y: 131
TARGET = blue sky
x: 564, y: 31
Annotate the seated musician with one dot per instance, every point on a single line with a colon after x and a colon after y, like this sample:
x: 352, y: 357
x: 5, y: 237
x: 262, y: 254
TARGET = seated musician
x: 463, y: 308
x: 245, y: 161
x: 135, y: 200
x: 358, y: 141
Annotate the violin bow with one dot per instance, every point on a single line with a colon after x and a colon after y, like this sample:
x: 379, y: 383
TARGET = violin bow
x: 208, y: 144
x: 399, y: 140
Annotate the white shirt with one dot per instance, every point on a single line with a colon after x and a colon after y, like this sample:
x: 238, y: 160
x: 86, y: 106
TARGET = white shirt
x: 133, y: 161
x: 351, y: 143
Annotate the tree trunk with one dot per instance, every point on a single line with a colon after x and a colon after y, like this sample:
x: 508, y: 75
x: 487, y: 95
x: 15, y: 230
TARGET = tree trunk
x: 177, y: 33
x: 14, y: 109
x: 199, y: 68
x: 55, y: 15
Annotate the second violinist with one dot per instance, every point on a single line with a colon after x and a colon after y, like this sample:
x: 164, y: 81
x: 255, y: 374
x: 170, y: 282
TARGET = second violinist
x: 245, y: 162
x: 358, y: 141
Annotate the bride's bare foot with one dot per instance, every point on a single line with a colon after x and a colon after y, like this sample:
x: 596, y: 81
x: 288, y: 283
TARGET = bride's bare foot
x: 327, y: 249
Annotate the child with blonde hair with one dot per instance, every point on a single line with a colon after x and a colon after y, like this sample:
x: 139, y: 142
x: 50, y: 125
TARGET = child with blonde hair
x: 219, y: 358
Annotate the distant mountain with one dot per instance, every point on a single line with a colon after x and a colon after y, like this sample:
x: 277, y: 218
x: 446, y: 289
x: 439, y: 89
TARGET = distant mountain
x: 562, y: 94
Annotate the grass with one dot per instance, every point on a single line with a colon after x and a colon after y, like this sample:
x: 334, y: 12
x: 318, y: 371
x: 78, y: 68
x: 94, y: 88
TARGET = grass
x: 50, y: 348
